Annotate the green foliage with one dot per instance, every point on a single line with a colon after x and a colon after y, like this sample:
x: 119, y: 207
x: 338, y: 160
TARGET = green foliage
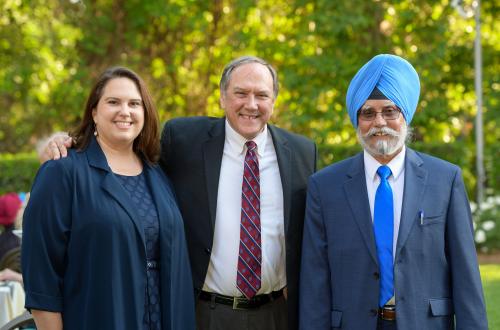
x: 486, y: 224
x: 17, y: 172
x: 52, y: 50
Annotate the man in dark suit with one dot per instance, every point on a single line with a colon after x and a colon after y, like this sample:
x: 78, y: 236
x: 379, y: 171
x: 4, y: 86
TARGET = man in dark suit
x: 208, y: 161
x: 388, y: 237
x: 204, y: 157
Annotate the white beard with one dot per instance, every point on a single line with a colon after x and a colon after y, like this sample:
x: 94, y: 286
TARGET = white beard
x: 383, y: 148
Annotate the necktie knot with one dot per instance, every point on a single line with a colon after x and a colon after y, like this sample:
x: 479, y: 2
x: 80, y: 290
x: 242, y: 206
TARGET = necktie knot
x: 384, y: 172
x: 251, y: 145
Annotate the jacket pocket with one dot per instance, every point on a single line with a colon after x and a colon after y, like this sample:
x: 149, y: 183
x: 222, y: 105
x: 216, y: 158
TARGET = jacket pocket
x: 336, y: 318
x: 433, y: 219
x: 441, y: 307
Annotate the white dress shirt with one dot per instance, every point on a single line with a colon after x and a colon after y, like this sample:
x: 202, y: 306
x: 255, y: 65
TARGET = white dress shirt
x: 223, y: 266
x: 396, y: 181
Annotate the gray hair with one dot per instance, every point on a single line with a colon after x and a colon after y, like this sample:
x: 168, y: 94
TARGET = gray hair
x: 228, y: 70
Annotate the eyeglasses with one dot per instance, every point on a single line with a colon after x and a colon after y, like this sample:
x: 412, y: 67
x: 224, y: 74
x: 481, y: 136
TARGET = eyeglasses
x: 387, y: 114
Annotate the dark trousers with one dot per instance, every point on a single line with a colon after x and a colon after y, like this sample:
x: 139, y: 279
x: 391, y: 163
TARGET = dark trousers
x: 213, y: 316
x: 386, y: 325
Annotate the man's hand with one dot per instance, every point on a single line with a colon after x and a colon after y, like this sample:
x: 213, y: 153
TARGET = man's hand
x: 56, y: 147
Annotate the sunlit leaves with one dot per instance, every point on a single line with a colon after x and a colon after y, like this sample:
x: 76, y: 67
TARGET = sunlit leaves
x: 52, y: 50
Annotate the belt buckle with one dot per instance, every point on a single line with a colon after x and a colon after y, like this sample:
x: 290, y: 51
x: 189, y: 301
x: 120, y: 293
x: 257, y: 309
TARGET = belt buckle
x: 386, y: 311
x: 237, y: 301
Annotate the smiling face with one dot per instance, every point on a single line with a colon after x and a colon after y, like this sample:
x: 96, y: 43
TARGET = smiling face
x: 119, y: 114
x: 382, y: 138
x: 248, y: 100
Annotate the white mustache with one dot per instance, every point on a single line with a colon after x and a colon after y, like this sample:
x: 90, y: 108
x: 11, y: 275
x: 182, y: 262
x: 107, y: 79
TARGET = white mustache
x: 383, y: 130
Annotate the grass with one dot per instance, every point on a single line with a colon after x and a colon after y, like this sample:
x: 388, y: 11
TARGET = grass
x: 490, y: 275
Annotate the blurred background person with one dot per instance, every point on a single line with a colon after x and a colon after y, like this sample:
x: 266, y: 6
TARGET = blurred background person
x: 103, y: 243
x: 11, y: 291
x: 10, y: 204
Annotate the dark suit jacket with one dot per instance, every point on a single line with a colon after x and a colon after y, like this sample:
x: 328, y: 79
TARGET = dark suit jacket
x: 84, y: 252
x: 192, y: 151
x: 436, y: 273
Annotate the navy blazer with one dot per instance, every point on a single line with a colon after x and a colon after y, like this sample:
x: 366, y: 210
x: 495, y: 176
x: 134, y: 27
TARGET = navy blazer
x: 436, y: 274
x: 84, y: 254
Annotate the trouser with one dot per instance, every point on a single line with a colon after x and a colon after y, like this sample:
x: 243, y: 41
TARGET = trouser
x: 214, y: 316
x: 386, y: 325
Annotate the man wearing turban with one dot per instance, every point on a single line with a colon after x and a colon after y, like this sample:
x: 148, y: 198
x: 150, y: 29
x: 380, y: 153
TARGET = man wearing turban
x: 388, y: 237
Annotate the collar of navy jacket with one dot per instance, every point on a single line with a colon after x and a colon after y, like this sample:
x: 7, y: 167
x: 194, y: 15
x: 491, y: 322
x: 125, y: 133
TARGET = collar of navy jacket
x: 112, y: 186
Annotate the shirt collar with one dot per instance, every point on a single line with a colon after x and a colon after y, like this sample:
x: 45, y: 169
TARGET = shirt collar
x: 396, y: 165
x: 237, y: 142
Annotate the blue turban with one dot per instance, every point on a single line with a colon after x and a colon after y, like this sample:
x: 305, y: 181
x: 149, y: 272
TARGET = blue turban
x: 394, y: 76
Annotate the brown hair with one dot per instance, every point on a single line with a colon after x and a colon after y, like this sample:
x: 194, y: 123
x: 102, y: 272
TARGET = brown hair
x: 147, y: 144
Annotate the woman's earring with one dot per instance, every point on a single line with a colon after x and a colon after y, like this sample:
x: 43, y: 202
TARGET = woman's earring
x: 95, y: 130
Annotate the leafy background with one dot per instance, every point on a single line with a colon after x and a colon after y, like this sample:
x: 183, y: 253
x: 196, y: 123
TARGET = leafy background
x: 52, y: 50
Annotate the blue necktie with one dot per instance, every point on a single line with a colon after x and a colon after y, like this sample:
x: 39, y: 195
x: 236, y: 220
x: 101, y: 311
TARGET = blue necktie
x: 383, y: 224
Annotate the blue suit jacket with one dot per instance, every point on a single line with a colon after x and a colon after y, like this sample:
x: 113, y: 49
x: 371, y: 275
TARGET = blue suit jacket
x: 84, y: 254
x: 436, y: 273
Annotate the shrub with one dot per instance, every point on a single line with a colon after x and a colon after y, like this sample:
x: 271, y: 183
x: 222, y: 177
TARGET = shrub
x: 17, y: 172
x: 487, y: 224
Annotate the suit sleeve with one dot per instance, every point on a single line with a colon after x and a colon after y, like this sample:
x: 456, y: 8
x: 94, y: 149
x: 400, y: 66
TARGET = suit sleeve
x: 315, y: 300
x: 46, y: 231
x: 468, y: 300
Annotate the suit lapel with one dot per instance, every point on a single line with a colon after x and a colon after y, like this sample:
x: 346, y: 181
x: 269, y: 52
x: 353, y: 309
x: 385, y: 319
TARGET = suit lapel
x: 110, y: 184
x: 213, y: 149
x: 284, y: 157
x: 115, y: 190
x: 415, y: 180
x: 357, y: 196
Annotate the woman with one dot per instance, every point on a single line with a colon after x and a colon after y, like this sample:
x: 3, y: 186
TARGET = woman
x: 103, y: 240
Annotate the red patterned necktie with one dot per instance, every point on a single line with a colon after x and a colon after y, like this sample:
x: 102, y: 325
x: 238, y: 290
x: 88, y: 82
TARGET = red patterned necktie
x: 250, y: 251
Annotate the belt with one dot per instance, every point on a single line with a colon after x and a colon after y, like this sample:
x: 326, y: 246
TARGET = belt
x: 387, y: 313
x: 240, y: 302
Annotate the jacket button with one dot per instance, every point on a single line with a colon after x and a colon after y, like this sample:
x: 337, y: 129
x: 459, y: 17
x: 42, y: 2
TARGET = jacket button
x: 374, y: 312
x: 208, y: 251
x: 376, y: 275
